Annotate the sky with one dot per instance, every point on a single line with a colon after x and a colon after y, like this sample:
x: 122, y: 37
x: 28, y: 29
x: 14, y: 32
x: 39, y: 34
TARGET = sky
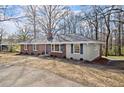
x: 16, y: 11
x: 75, y: 7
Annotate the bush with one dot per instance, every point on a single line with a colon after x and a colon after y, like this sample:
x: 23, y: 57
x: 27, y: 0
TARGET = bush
x: 113, y: 51
x: 14, y: 48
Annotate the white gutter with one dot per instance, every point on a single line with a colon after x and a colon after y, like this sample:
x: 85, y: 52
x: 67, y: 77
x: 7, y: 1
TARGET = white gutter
x: 85, y: 42
x: 86, y: 52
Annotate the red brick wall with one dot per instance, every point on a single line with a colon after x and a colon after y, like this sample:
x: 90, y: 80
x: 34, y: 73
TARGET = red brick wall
x: 29, y: 49
x: 40, y: 49
x: 58, y: 54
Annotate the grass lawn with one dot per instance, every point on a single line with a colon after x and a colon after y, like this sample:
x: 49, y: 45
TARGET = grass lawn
x: 85, y: 74
x: 115, y: 57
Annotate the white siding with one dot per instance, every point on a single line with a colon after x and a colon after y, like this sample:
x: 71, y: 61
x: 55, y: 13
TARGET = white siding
x: 93, y: 51
x: 74, y: 55
x: 90, y: 52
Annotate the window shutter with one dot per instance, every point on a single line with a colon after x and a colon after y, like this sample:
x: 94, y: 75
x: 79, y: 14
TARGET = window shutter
x: 71, y: 48
x: 81, y: 48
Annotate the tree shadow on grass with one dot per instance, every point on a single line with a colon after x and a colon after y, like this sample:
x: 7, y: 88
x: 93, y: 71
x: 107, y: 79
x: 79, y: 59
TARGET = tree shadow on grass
x: 82, y: 63
x: 86, y: 64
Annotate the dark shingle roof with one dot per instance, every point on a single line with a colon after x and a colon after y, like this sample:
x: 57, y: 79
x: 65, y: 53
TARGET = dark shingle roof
x: 70, y: 38
x: 60, y: 38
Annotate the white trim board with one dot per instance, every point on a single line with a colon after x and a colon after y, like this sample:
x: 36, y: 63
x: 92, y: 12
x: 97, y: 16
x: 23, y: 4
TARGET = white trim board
x: 84, y: 42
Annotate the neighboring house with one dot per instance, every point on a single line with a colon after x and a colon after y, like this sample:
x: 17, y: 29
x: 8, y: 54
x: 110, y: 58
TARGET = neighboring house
x: 6, y: 45
x: 72, y: 46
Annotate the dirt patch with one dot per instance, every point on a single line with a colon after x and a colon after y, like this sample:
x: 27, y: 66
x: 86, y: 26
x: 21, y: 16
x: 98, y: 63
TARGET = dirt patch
x: 103, y: 61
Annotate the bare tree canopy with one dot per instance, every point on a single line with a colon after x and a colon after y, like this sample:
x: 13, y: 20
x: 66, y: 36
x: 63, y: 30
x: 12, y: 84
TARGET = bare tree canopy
x: 23, y: 33
x: 104, y: 23
x: 32, y: 17
x: 8, y: 12
x: 50, y: 17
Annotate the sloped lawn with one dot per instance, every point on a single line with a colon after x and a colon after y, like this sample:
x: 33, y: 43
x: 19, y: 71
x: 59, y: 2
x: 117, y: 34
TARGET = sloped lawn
x: 86, y: 74
x: 115, y: 57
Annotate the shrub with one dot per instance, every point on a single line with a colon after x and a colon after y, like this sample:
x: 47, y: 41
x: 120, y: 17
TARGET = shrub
x: 14, y: 48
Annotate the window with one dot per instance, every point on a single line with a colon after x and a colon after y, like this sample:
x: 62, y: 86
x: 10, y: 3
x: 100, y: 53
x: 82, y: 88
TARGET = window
x: 76, y: 48
x: 35, y: 47
x: 81, y: 48
x: 56, y: 48
x: 25, y: 47
x: 72, y: 48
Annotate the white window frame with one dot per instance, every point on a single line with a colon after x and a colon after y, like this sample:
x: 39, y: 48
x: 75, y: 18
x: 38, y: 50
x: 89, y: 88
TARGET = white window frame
x: 74, y: 48
x: 53, y: 49
x: 34, y: 47
x: 25, y: 47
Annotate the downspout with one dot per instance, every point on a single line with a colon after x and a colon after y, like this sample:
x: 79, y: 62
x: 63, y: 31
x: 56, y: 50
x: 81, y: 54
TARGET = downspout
x: 45, y: 49
x: 51, y: 47
x: 86, y: 51
x: 100, y: 51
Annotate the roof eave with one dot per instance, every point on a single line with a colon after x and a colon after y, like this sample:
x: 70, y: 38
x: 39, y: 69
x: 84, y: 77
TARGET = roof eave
x: 87, y: 42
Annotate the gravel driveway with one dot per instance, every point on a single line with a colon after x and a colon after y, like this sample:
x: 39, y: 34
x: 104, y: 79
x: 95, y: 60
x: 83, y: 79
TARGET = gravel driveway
x: 23, y: 76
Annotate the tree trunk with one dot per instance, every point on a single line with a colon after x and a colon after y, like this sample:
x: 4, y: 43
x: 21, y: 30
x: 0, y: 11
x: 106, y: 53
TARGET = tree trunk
x: 34, y: 28
x: 96, y: 33
x: 119, y: 36
x: 1, y: 42
x: 96, y: 27
x: 107, y: 40
x: 119, y: 41
x: 107, y: 23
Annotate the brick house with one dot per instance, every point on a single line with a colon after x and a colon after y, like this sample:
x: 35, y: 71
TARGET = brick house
x: 72, y: 46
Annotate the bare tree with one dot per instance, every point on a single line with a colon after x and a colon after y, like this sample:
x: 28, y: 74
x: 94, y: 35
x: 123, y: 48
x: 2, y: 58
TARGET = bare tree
x: 23, y: 33
x: 120, y: 28
x: 32, y: 17
x: 2, y: 33
x: 92, y: 18
x: 71, y: 23
x: 100, y: 20
x: 107, y: 14
x: 50, y: 18
x: 5, y: 16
